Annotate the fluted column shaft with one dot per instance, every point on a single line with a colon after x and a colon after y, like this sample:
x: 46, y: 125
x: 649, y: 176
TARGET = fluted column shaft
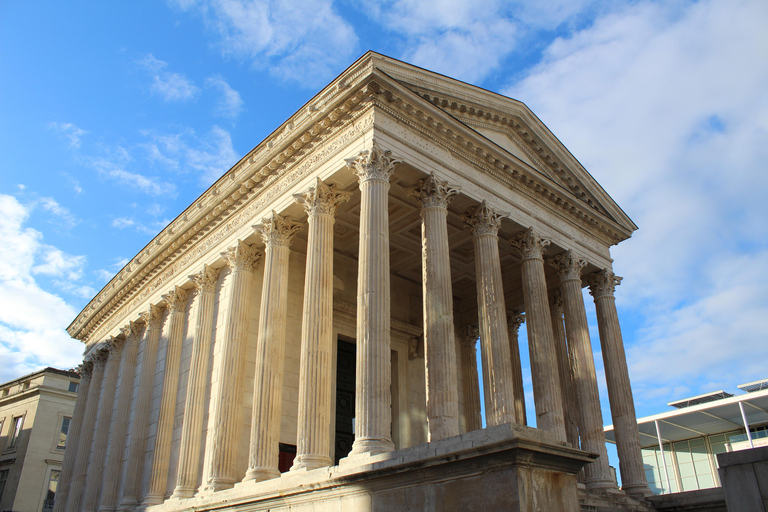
x: 75, y: 498
x: 498, y: 385
x: 73, y: 439
x: 153, y: 318
x: 470, y: 380
x: 570, y: 413
x: 103, y: 422
x: 439, y: 340
x: 277, y: 233
x: 633, y: 481
x: 158, y: 478
x: 541, y: 342
x: 194, y: 404
x: 314, y: 444
x: 132, y: 333
x: 514, y: 323
x: 227, y: 408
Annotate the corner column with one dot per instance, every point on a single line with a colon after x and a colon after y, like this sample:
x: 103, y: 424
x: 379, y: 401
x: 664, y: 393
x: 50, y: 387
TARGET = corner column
x: 194, y: 405
x: 227, y: 410
x: 73, y: 439
x: 154, y: 320
x: 468, y: 341
x: 541, y: 342
x: 562, y: 346
x: 514, y: 321
x: 132, y: 333
x: 439, y: 342
x: 277, y: 233
x: 498, y: 386
x: 373, y: 413
x: 158, y: 478
x: 602, y: 285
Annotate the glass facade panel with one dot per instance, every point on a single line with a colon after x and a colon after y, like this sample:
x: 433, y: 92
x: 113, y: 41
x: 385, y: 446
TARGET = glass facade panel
x: 654, y: 470
x: 62, y: 443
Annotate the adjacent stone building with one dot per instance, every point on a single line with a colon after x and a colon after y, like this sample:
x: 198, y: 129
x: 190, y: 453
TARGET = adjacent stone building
x: 304, y: 334
x: 35, y: 418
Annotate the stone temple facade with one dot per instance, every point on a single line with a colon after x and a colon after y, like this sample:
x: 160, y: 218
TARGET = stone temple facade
x: 303, y: 336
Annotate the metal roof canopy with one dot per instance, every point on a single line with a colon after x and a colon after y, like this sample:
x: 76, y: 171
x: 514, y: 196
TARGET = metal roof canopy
x: 698, y: 420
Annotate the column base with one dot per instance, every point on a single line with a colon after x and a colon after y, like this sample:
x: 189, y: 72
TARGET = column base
x: 260, y: 474
x: 183, y: 492
x: 602, y: 485
x: 128, y: 505
x: 218, y: 484
x: 637, y: 489
x: 152, y: 499
x: 371, y: 446
x: 310, y: 462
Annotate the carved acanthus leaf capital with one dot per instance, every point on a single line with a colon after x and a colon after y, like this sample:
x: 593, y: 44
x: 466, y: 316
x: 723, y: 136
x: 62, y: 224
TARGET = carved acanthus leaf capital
x: 176, y: 299
x: 277, y: 230
x: 373, y: 164
x: 568, y: 266
x: 556, y: 304
x: 114, y: 345
x: 242, y: 256
x: 434, y: 192
x: 205, y: 280
x: 132, y: 332
x: 469, y: 334
x: 85, y: 369
x: 322, y: 199
x: 483, y: 220
x: 603, y: 283
x: 99, y: 358
x: 514, y: 321
x: 153, y: 317
x: 529, y: 244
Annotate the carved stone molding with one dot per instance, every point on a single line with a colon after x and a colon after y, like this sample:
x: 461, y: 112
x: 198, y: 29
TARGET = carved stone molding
x: 132, y: 332
x: 483, y: 220
x: 205, y: 280
x: 515, y: 320
x: 242, y: 256
x: 468, y: 334
x: 556, y: 304
x: 85, y: 369
x: 277, y: 230
x: 603, y: 283
x: 568, y: 266
x: 322, y: 199
x: 529, y: 244
x: 114, y: 345
x: 176, y: 299
x: 99, y: 358
x: 373, y: 164
x: 153, y: 317
x: 434, y: 192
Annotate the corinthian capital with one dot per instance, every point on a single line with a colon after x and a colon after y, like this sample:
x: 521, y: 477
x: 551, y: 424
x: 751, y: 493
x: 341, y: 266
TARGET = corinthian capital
x: 568, y: 266
x: 85, y: 370
x: 373, y: 164
x: 529, y: 244
x: 277, y: 230
x: 322, y: 199
x: 132, y: 331
x: 514, y: 321
x: 205, y: 280
x: 154, y: 317
x: 434, y: 192
x: 468, y: 335
x: 99, y: 357
x: 114, y: 345
x: 483, y: 220
x: 176, y: 299
x: 603, y: 283
x: 242, y: 256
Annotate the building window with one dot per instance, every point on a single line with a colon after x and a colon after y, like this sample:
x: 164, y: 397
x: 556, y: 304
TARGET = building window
x: 73, y: 386
x: 18, y: 421
x: 3, y: 478
x: 25, y: 386
x: 63, y: 433
x: 6, y: 391
x: 53, y: 482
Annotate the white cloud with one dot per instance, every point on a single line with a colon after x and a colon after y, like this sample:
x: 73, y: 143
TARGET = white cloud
x: 62, y: 213
x: 32, y: 320
x: 70, y: 132
x: 230, y: 104
x: 669, y: 111
x: 304, y: 41
x: 113, y: 165
x: 169, y: 85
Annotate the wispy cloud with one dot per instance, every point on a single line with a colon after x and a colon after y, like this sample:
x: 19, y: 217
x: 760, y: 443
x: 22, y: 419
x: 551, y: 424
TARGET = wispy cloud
x: 112, y: 164
x: 69, y: 131
x: 168, y: 85
x: 229, y: 104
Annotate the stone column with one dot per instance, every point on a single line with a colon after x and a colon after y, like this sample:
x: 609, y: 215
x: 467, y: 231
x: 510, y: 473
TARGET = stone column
x: 468, y: 341
x: 564, y: 369
x: 158, y: 479
x: 315, y: 374
x: 132, y: 333
x: 277, y: 233
x: 439, y: 341
x: 602, y: 285
x: 514, y: 321
x: 227, y: 408
x: 583, y: 379
x: 541, y: 342
x: 73, y: 439
x: 75, y: 498
x: 153, y: 318
x: 194, y: 405
x: 498, y: 386
x: 373, y: 399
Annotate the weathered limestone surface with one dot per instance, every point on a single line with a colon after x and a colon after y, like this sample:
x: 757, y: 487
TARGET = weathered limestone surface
x: 514, y: 322
x: 468, y: 340
x: 541, y: 343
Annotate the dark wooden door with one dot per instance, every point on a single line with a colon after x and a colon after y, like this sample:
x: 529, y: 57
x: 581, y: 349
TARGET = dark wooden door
x: 345, y: 399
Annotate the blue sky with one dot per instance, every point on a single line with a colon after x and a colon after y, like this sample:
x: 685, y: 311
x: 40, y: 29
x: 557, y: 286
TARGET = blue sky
x: 114, y: 116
